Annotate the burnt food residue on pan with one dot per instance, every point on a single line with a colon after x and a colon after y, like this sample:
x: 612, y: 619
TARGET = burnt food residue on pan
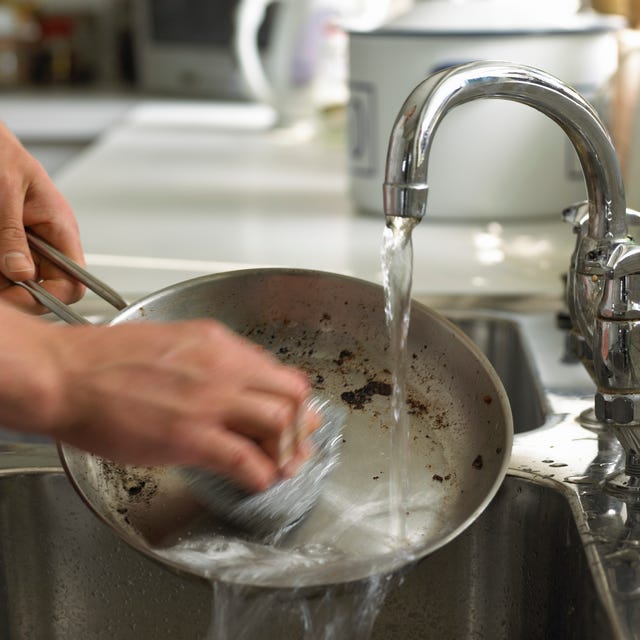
x: 359, y: 397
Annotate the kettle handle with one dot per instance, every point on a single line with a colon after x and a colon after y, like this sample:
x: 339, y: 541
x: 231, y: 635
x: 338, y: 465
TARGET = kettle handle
x: 272, y: 76
x: 250, y: 14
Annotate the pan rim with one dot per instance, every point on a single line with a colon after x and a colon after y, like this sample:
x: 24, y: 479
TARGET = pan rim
x: 383, y: 564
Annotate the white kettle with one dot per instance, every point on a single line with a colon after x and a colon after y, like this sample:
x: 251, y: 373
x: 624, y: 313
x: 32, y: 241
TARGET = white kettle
x: 282, y: 76
x: 306, y: 42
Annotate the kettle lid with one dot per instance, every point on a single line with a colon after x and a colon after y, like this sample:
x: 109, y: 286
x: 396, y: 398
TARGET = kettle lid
x: 505, y: 17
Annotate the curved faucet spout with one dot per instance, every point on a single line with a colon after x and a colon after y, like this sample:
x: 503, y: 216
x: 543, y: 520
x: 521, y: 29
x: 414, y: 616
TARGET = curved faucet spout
x: 406, y: 185
x: 603, y: 285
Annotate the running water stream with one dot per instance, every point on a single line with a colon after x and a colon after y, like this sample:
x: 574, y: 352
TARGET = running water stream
x: 397, y: 271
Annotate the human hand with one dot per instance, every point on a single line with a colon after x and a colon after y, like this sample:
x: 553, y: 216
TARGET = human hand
x: 146, y: 393
x: 28, y: 198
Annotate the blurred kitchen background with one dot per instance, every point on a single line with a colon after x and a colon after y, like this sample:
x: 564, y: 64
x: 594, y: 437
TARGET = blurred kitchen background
x: 190, y: 136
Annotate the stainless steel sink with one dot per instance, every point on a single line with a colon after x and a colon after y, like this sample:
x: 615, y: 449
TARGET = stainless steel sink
x: 64, y: 575
x: 519, y: 572
x: 540, y: 562
x: 501, y: 340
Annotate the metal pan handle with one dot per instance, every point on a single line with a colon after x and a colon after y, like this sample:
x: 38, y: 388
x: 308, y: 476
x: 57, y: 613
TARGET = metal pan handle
x: 52, y: 303
x: 64, y: 312
x: 76, y: 271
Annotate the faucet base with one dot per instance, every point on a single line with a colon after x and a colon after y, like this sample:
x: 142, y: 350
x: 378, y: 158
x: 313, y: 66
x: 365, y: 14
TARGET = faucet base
x: 588, y: 420
x: 626, y: 484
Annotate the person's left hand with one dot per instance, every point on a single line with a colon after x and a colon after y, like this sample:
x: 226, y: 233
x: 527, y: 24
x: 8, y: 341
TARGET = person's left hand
x: 28, y: 198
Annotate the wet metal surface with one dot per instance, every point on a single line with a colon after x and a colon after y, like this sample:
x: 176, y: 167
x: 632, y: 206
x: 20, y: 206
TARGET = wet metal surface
x: 553, y: 556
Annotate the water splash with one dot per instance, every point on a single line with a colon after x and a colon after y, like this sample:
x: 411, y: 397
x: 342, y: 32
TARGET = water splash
x: 328, y: 613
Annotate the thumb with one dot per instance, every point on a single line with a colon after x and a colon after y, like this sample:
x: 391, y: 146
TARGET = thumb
x: 15, y: 258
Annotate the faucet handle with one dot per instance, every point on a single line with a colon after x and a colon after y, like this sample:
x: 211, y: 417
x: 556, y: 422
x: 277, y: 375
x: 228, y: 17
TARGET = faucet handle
x: 624, y: 261
x: 620, y: 299
x: 602, y: 279
x: 617, y: 333
x: 616, y: 360
x: 577, y: 215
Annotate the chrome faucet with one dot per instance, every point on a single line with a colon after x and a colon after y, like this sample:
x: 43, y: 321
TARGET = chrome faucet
x: 604, y: 278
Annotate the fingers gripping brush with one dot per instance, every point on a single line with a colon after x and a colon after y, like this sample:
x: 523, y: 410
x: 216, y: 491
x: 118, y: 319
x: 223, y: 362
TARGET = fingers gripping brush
x: 286, y: 502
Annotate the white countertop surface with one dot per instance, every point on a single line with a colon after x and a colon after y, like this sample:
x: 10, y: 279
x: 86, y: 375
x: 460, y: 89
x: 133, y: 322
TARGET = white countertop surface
x: 62, y: 116
x: 172, y: 191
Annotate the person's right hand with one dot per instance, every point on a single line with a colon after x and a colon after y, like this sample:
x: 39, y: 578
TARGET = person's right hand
x: 146, y: 393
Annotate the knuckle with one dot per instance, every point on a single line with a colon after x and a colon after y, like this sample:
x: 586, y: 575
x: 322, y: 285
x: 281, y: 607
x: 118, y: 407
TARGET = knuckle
x: 12, y: 231
x: 74, y: 291
x: 282, y: 416
x: 240, y: 457
x: 10, y: 182
x: 77, y: 292
x: 206, y: 329
x: 179, y: 435
x: 300, y: 384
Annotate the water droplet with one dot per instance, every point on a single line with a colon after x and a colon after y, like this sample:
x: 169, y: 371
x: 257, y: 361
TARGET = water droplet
x: 579, y: 479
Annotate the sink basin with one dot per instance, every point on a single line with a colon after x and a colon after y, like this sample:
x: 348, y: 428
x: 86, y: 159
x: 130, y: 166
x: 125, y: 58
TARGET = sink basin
x: 518, y: 572
x: 501, y: 340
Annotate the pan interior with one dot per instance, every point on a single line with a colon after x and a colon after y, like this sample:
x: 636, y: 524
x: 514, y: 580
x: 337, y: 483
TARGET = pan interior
x: 333, y: 327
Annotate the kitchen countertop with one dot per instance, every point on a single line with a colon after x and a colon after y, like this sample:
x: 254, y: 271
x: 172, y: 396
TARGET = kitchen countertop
x: 57, y: 116
x: 175, y: 190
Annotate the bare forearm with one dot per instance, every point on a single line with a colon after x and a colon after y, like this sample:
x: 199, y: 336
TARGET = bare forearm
x: 28, y: 379
x: 151, y: 393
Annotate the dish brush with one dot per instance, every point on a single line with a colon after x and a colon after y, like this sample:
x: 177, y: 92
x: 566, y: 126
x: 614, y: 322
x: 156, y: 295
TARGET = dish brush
x: 288, y: 501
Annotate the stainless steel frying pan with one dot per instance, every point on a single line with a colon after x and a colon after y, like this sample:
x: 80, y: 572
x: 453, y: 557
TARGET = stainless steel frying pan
x: 333, y: 327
